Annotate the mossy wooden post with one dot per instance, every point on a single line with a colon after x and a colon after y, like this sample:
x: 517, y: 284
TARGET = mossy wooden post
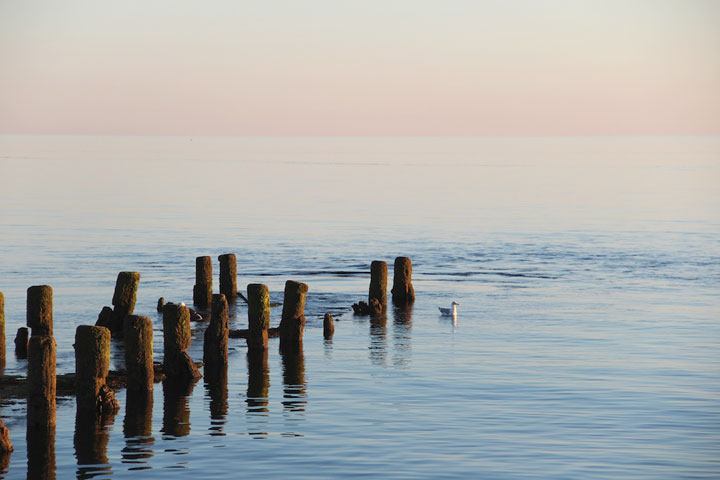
x: 258, y: 297
x: 92, y: 363
x: 41, y: 383
x: 202, y: 291
x: 176, y: 340
x: 228, y: 275
x: 21, y: 342
x: 138, y: 335
x: 6, y: 445
x: 215, y: 348
x: 378, y: 286
x: 2, y: 330
x: 403, y: 293
x: 292, y: 324
x: 40, y: 310
x: 124, y: 298
x: 41, y: 379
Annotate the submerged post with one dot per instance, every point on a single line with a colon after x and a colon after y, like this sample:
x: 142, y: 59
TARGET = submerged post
x: 292, y: 324
x: 202, y: 291
x: 377, y: 296
x: 139, y: 353
x: 2, y: 330
x: 228, y: 275
x: 21, y: 342
x: 41, y: 360
x: 403, y: 292
x: 176, y: 340
x: 328, y: 326
x: 92, y: 363
x: 258, y: 316
x: 215, y: 348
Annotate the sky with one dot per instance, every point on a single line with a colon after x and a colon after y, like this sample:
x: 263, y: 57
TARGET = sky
x: 360, y: 67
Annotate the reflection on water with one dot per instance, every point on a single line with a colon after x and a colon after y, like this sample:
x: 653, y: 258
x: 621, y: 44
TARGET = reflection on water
x: 91, y: 440
x: 257, y: 392
x: 402, y: 335
x: 378, y: 339
x: 137, y: 429
x: 294, y: 386
x: 176, y: 408
x: 216, y: 383
x: 41, y: 453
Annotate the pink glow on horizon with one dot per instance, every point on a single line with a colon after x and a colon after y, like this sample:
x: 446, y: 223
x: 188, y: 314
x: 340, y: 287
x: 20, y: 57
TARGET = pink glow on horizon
x: 366, y: 68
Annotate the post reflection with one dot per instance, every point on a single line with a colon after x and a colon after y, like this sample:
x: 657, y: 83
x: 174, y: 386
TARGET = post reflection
x: 294, y: 386
x: 90, y: 441
x: 216, y: 383
x: 176, y: 410
x: 378, y: 339
x: 402, y: 335
x: 257, y: 392
x: 137, y: 429
x: 41, y: 453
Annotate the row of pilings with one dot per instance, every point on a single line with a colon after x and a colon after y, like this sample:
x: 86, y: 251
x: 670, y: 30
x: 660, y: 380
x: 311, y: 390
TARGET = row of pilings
x: 96, y: 400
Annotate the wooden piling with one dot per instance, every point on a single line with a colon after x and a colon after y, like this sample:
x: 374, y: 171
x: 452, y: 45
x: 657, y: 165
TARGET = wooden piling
x: 92, y: 363
x: 292, y: 324
x: 41, y: 383
x: 378, y: 286
x: 202, y: 291
x: 328, y: 326
x: 403, y: 292
x: 2, y: 330
x: 41, y: 463
x: 6, y: 445
x: 228, y: 275
x: 160, y: 304
x: 139, y: 353
x: 176, y: 340
x: 39, y: 310
x: 21, y: 342
x: 124, y: 298
x: 215, y: 347
x: 258, y: 315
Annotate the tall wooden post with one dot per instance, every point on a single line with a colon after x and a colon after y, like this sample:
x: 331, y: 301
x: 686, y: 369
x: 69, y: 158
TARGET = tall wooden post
x: 403, y: 293
x: 258, y: 316
x: 377, y: 296
x: 292, y: 324
x: 202, y: 291
x: 139, y: 353
x: 228, y: 275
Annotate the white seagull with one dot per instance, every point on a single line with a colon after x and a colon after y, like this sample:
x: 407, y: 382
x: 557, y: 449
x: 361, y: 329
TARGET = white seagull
x: 449, y: 311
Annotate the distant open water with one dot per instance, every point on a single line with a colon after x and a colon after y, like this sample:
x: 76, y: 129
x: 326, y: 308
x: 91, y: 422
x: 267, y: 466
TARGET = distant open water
x: 587, y: 270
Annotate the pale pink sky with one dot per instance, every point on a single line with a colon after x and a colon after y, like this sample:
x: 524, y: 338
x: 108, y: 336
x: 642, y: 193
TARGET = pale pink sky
x: 361, y: 67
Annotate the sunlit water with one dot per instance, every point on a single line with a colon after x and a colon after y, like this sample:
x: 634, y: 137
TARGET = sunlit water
x: 587, y: 269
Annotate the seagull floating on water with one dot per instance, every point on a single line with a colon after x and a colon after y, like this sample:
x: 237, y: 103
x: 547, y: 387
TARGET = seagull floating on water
x: 449, y: 311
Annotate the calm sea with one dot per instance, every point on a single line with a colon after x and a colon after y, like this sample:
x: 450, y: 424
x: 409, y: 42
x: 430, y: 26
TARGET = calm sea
x: 587, y: 269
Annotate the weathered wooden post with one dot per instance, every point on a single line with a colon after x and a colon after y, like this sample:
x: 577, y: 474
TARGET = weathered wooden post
x: 215, y: 348
x: 92, y: 363
x: 124, y: 298
x: 160, y: 304
x: 202, y: 291
x: 39, y: 310
x: 228, y: 275
x: 41, y: 360
x: 139, y: 353
x: 258, y: 316
x: 377, y: 296
x: 2, y: 331
x: 176, y: 340
x: 292, y: 324
x: 328, y: 326
x: 21, y: 342
x: 6, y: 445
x: 403, y: 293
